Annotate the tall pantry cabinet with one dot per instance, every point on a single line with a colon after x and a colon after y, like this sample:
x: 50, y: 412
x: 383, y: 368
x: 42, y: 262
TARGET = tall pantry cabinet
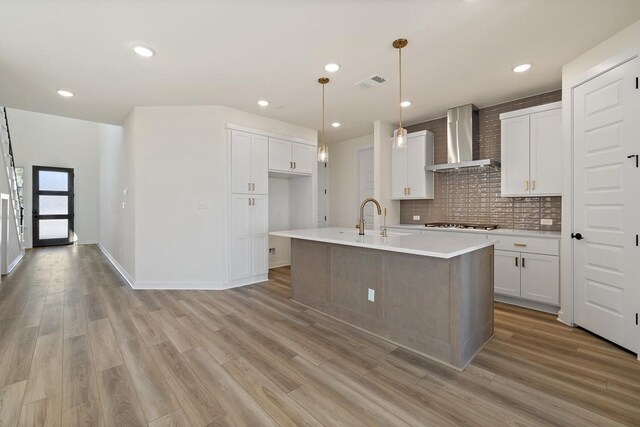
x: 249, y: 246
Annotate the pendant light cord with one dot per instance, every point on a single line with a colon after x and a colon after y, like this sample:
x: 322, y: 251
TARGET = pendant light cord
x: 400, y: 89
x: 323, y: 114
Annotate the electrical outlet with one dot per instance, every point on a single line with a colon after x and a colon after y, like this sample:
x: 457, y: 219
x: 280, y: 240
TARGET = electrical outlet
x: 272, y: 251
x: 371, y: 295
x: 416, y: 217
x: 546, y: 221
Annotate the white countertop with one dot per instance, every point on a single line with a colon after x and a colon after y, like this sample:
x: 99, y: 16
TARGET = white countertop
x: 498, y: 231
x: 445, y: 246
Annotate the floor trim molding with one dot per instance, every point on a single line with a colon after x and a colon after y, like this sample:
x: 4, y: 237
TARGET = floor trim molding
x: 123, y: 272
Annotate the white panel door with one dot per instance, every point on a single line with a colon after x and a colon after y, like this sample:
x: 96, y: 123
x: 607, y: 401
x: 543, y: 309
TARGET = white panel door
x: 515, y: 156
x: 304, y: 158
x: 240, y: 162
x: 506, y: 273
x: 416, y: 175
x: 240, y: 261
x: 540, y: 278
x: 259, y: 235
x: 607, y: 204
x: 280, y: 155
x: 260, y: 164
x: 399, y: 173
x: 546, y: 153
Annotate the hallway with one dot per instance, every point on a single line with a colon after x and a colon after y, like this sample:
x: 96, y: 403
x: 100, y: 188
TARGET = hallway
x: 79, y: 347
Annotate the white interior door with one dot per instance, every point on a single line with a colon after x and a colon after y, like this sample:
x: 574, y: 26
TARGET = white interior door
x: 607, y: 204
x: 240, y: 162
x: 365, y: 184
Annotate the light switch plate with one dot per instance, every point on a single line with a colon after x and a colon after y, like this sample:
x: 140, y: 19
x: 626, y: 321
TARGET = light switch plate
x: 202, y: 205
x: 546, y: 221
x: 416, y: 217
x: 371, y: 295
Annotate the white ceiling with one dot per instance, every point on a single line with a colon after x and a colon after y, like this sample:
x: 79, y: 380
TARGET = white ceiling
x: 234, y: 52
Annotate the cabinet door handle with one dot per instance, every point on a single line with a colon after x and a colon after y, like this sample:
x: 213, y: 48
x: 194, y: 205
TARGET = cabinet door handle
x: 249, y: 186
x: 516, y: 261
x: 294, y: 165
x: 253, y: 186
x: 405, y: 191
x: 526, y: 185
x: 409, y: 190
x: 533, y: 185
x: 290, y: 165
x: 523, y: 262
x: 520, y: 245
x: 249, y: 201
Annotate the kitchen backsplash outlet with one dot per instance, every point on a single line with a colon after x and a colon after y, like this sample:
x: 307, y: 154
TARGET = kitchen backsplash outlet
x: 473, y: 195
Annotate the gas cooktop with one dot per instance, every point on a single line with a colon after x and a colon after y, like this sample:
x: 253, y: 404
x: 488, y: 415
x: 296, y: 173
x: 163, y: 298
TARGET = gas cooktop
x: 461, y: 225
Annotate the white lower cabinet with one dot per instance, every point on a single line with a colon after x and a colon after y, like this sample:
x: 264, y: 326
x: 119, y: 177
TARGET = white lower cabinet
x: 530, y: 276
x: 506, y: 280
x: 249, y: 235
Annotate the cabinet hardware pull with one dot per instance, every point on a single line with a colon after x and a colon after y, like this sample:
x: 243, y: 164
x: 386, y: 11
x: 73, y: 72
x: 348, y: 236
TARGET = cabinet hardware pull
x: 526, y: 185
x: 290, y: 165
x: 521, y: 245
x: 253, y: 186
x: 249, y: 186
x: 409, y: 190
x: 294, y: 165
x: 523, y: 266
x: 249, y: 201
x: 533, y: 185
x: 516, y: 261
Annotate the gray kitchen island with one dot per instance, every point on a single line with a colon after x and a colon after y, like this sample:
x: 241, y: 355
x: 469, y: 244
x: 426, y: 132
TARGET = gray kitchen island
x: 432, y: 295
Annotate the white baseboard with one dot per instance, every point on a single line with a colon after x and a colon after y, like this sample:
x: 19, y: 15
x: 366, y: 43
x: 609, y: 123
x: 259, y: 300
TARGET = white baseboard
x: 183, y: 286
x: 123, y: 272
x: 280, y: 264
x: 15, y: 262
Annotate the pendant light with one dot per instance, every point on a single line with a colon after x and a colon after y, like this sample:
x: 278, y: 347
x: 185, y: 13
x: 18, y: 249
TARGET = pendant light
x: 323, y: 150
x: 400, y: 134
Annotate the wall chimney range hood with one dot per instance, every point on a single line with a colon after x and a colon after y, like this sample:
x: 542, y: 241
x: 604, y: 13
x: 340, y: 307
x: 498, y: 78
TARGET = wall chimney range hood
x: 463, y: 141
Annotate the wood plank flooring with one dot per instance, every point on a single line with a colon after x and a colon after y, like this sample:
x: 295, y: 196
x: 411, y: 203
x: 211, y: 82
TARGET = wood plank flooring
x: 79, y: 347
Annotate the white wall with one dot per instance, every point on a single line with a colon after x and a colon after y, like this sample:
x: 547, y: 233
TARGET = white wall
x: 279, y: 219
x: 382, y: 133
x: 610, y: 53
x: 46, y: 140
x: 181, y: 159
x: 343, y: 180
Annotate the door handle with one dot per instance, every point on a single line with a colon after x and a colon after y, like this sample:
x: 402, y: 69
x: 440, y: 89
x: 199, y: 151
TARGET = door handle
x: 577, y: 236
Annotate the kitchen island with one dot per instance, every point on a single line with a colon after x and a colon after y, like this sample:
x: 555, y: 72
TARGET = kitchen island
x: 431, y: 294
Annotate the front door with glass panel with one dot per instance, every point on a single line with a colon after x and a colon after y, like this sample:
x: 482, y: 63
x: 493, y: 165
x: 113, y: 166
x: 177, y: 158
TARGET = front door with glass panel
x: 52, y: 206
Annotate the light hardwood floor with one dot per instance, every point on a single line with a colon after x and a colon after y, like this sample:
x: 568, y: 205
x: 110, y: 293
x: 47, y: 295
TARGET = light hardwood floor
x: 79, y: 347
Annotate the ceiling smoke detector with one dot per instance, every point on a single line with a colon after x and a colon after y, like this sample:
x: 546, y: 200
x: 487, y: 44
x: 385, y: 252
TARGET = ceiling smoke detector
x: 372, y: 81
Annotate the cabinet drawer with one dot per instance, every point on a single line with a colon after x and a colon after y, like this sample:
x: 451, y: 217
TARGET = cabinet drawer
x: 534, y: 245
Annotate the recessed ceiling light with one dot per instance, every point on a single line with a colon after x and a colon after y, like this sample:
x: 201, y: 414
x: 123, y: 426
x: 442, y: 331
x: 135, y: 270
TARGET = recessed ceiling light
x: 263, y: 103
x: 336, y: 124
x: 143, y: 51
x: 521, y: 68
x: 65, y: 93
x: 405, y: 104
x: 332, y: 67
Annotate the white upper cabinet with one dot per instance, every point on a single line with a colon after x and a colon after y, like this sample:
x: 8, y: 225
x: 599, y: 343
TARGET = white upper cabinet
x: 291, y: 157
x: 249, y: 166
x: 532, y: 152
x: 409, y: 180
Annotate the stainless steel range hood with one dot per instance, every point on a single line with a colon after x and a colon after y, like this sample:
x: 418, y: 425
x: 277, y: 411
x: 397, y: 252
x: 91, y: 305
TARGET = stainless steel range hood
x: 463, y: 141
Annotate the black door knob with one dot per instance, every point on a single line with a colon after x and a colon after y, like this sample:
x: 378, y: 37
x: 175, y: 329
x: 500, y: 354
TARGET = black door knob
x: 577, y: 236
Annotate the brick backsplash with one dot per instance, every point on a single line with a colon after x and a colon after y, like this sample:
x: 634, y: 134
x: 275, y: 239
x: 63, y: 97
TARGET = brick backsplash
x: 473, y: 195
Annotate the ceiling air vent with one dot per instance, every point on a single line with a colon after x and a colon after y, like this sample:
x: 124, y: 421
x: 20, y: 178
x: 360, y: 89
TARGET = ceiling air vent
x: 372, y: 81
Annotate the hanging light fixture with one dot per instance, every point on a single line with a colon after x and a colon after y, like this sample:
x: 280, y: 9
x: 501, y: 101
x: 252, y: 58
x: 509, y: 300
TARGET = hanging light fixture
x: 400, y: 134
x: 323, y: 150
